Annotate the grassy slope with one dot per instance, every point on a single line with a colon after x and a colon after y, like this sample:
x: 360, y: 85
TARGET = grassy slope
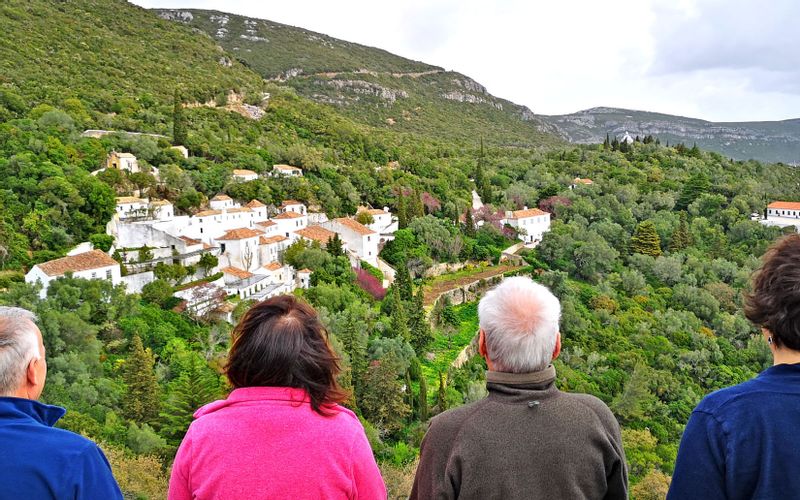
x: 273, y: 49
x: 99, y: 50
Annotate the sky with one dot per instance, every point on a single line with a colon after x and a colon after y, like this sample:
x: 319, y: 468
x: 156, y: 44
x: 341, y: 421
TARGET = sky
x: 719, y: 60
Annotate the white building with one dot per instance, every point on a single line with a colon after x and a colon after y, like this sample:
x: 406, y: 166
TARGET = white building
x: 92, y: 265
x: 317, y: 234
x: 290, y: 222
x: 131, y: 207
x: 240, y: 248
x: 122, y: 161
x: 293, y: 206
x: 304, y: 278
x: 782, y: 214
x: 287, y: 171
x: 531, y: 223
x: 161, y: 209
x: 203, y: 298
x: 383, y: 222
x: 271, y: 247
x: 258, y: 209
x: 580, y: 182
x: 360, y: 240
x: 627, y: 138
x: 222, y: 202
x: 244, y: 175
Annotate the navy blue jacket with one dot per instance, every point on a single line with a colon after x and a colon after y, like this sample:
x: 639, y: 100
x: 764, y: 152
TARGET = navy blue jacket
x: 39, y: 461
x: 743, y: 442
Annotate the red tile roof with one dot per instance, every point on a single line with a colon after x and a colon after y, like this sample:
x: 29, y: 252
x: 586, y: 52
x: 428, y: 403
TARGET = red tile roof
x: 255, y: 204
x: 316, y: 233
x: 206, y: 213
x: 240, y: 234
x: 286, y: 203
x: 235, y: 271
x: 354, y: 226
x: 243, y: 171
x: 86, y: 261
x: 272, y: 239
x: 287, y: 215
x: 266, y: 223
x: 273, y: 266
x: 531, y: 212
x: 786, y: 205
x: 221, y: 197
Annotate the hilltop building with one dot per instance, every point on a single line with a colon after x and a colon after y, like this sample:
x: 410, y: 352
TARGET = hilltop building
x: 243, y: 175
x: 781, y: 214
x: 530, y: 223
x: 287, y: 171
x: 383, y: 222
x: 360, y: 241
x: 627, y: 138
x: 122, y: 161
x: 91, y: 265
x: 581, y: 182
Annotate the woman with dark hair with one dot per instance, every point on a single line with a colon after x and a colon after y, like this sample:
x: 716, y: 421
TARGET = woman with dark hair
x: 743, y: 442
x: 281, y: 433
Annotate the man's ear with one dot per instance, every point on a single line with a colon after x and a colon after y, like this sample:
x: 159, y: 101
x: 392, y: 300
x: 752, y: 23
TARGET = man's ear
x: 557, y: 349
x: 482, y: 344
x: 31, y: 375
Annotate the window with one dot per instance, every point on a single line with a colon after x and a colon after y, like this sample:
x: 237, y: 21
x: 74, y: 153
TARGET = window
x: 108, y: 274
x: 94, y: 275
x: 201, y: 230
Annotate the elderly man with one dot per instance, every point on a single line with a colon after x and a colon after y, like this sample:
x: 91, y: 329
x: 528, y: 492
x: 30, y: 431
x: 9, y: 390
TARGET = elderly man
x: 526, y: 439
x: 37, y: 460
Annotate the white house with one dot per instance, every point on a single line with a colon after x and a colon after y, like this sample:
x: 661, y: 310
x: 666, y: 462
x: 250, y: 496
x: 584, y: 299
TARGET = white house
x: 222, y: 202
x: 303, y: 278
x: 131, y: 207
x: 244, y: 175
x: 203, y: 298
x: 782, y: 214
x: 531, y: 223
x: 271, y: 247
x: 290, y: 222
x: 122, y: 161
x: 287, y: 171
x: 239, y: 248
x: 258, y: 209
x: 580, y: 182
x: 383, y: 222
x: 627, y: 138
x: 293, y: 206
x: 161, y: 209
x: 358, y: 238
x: 316, y: 233
x: 92, y: 265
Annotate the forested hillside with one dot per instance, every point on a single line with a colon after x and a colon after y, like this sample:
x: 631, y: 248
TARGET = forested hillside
x: 650, y: 261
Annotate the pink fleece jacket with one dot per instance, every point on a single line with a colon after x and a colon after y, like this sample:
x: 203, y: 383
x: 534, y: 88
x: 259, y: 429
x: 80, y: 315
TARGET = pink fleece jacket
x: 267, y: 442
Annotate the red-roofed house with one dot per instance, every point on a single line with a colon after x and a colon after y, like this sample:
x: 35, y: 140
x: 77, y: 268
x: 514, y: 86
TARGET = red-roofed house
x: 358, y: 238
x: 239, y: 248
x: 244, y: 175
x: 92, y: 265
x: 782, y: 214
x: 530, y: 223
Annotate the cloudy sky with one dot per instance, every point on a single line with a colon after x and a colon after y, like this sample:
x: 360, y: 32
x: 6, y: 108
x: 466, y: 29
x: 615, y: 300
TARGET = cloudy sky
x: 720, y: 60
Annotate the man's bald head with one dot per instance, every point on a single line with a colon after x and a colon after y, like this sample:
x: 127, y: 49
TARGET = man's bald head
x: 519, y: 319
x: 19, y: 345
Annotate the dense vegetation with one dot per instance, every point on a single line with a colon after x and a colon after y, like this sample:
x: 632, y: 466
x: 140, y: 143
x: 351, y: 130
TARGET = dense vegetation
x: 650, y: 262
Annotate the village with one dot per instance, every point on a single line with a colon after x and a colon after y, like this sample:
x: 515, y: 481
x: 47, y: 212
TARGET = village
x: 234, y: 249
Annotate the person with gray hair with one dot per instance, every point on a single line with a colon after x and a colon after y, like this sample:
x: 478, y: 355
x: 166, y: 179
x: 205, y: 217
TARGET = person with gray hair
x: 526, y: 439
x: 38, y: 460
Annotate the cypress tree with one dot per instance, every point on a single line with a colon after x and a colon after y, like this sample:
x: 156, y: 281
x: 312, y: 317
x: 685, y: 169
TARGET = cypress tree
x: 399, y: 319
x: 335, y: 246
x: 441, y: 396
x: 607, y: 142
x: 178, y: 121
x: 422, y: 402
x: 646, y: 240
x: 403, y: 282
x: 141, y: 400
x: 402, y: 210
x: 421, y: 335
x: 680, y: 237
x: 469, y: 223
x: 354, y: 343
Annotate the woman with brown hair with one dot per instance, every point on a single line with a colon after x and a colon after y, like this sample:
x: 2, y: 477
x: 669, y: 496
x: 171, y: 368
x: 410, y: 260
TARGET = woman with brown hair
x: 743, y: 442
x: 281, y: 433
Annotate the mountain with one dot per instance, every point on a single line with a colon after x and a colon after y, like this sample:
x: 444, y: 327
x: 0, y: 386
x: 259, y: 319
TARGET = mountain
x: 370, y: 85
x: 103, y: 50
x: 776, y: 141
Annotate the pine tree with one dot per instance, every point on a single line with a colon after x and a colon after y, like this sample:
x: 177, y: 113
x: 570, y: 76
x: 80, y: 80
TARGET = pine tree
x: 335, y: 246
x: 402, y: 281
x: 415, y: 206
x: 615, y: 144
x: 607, y: 142
x: 680, y: 237
x: 422, y: 402
x: 469, y: 223
x: 696, y: 185
x: 421, y: 335
x: 383, y: 401
x: 354, y: 342
x: 482, y: 184
x: 646, y: 240
x: 179, y: 136
x: 194, y: 387
x: 141, y: 401
x: 441, y: 396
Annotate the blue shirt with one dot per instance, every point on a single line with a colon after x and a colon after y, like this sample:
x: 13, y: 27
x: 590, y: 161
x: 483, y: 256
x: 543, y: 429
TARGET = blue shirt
x: 39, y: 461
x: 743, y: 442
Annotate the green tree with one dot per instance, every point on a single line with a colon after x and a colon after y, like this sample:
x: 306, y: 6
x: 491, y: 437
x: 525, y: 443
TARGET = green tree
x: 157, y: 292
x: 383, y: 401
x: 420, y: 329
x: 422, y: 403
x: 680, y: 237
x: 207, y: 262
x: 646, y: 240
x: 195, y: 387
x: 335, y: 246
x: 469, y: 223
x: 179, y: 135
x: 141, y: 400
x: 441, y: 395
x: 399, y: 317
x: 403, y: 282
x: 696, y: 185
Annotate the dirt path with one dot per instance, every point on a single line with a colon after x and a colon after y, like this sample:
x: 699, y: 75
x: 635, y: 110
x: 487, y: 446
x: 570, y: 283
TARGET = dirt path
x: 433, y: 292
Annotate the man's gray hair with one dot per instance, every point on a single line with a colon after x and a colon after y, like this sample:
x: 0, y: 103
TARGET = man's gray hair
x: 520, y: 323
x: 18, y: 346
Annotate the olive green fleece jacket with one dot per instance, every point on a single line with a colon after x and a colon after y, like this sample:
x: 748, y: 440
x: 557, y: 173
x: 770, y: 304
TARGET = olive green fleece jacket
x: 526, y: 439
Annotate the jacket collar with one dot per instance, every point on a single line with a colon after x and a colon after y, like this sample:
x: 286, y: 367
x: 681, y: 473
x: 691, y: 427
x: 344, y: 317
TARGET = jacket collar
x: 249, y: 394
x: 28, y: 409
x: 520, y: 388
